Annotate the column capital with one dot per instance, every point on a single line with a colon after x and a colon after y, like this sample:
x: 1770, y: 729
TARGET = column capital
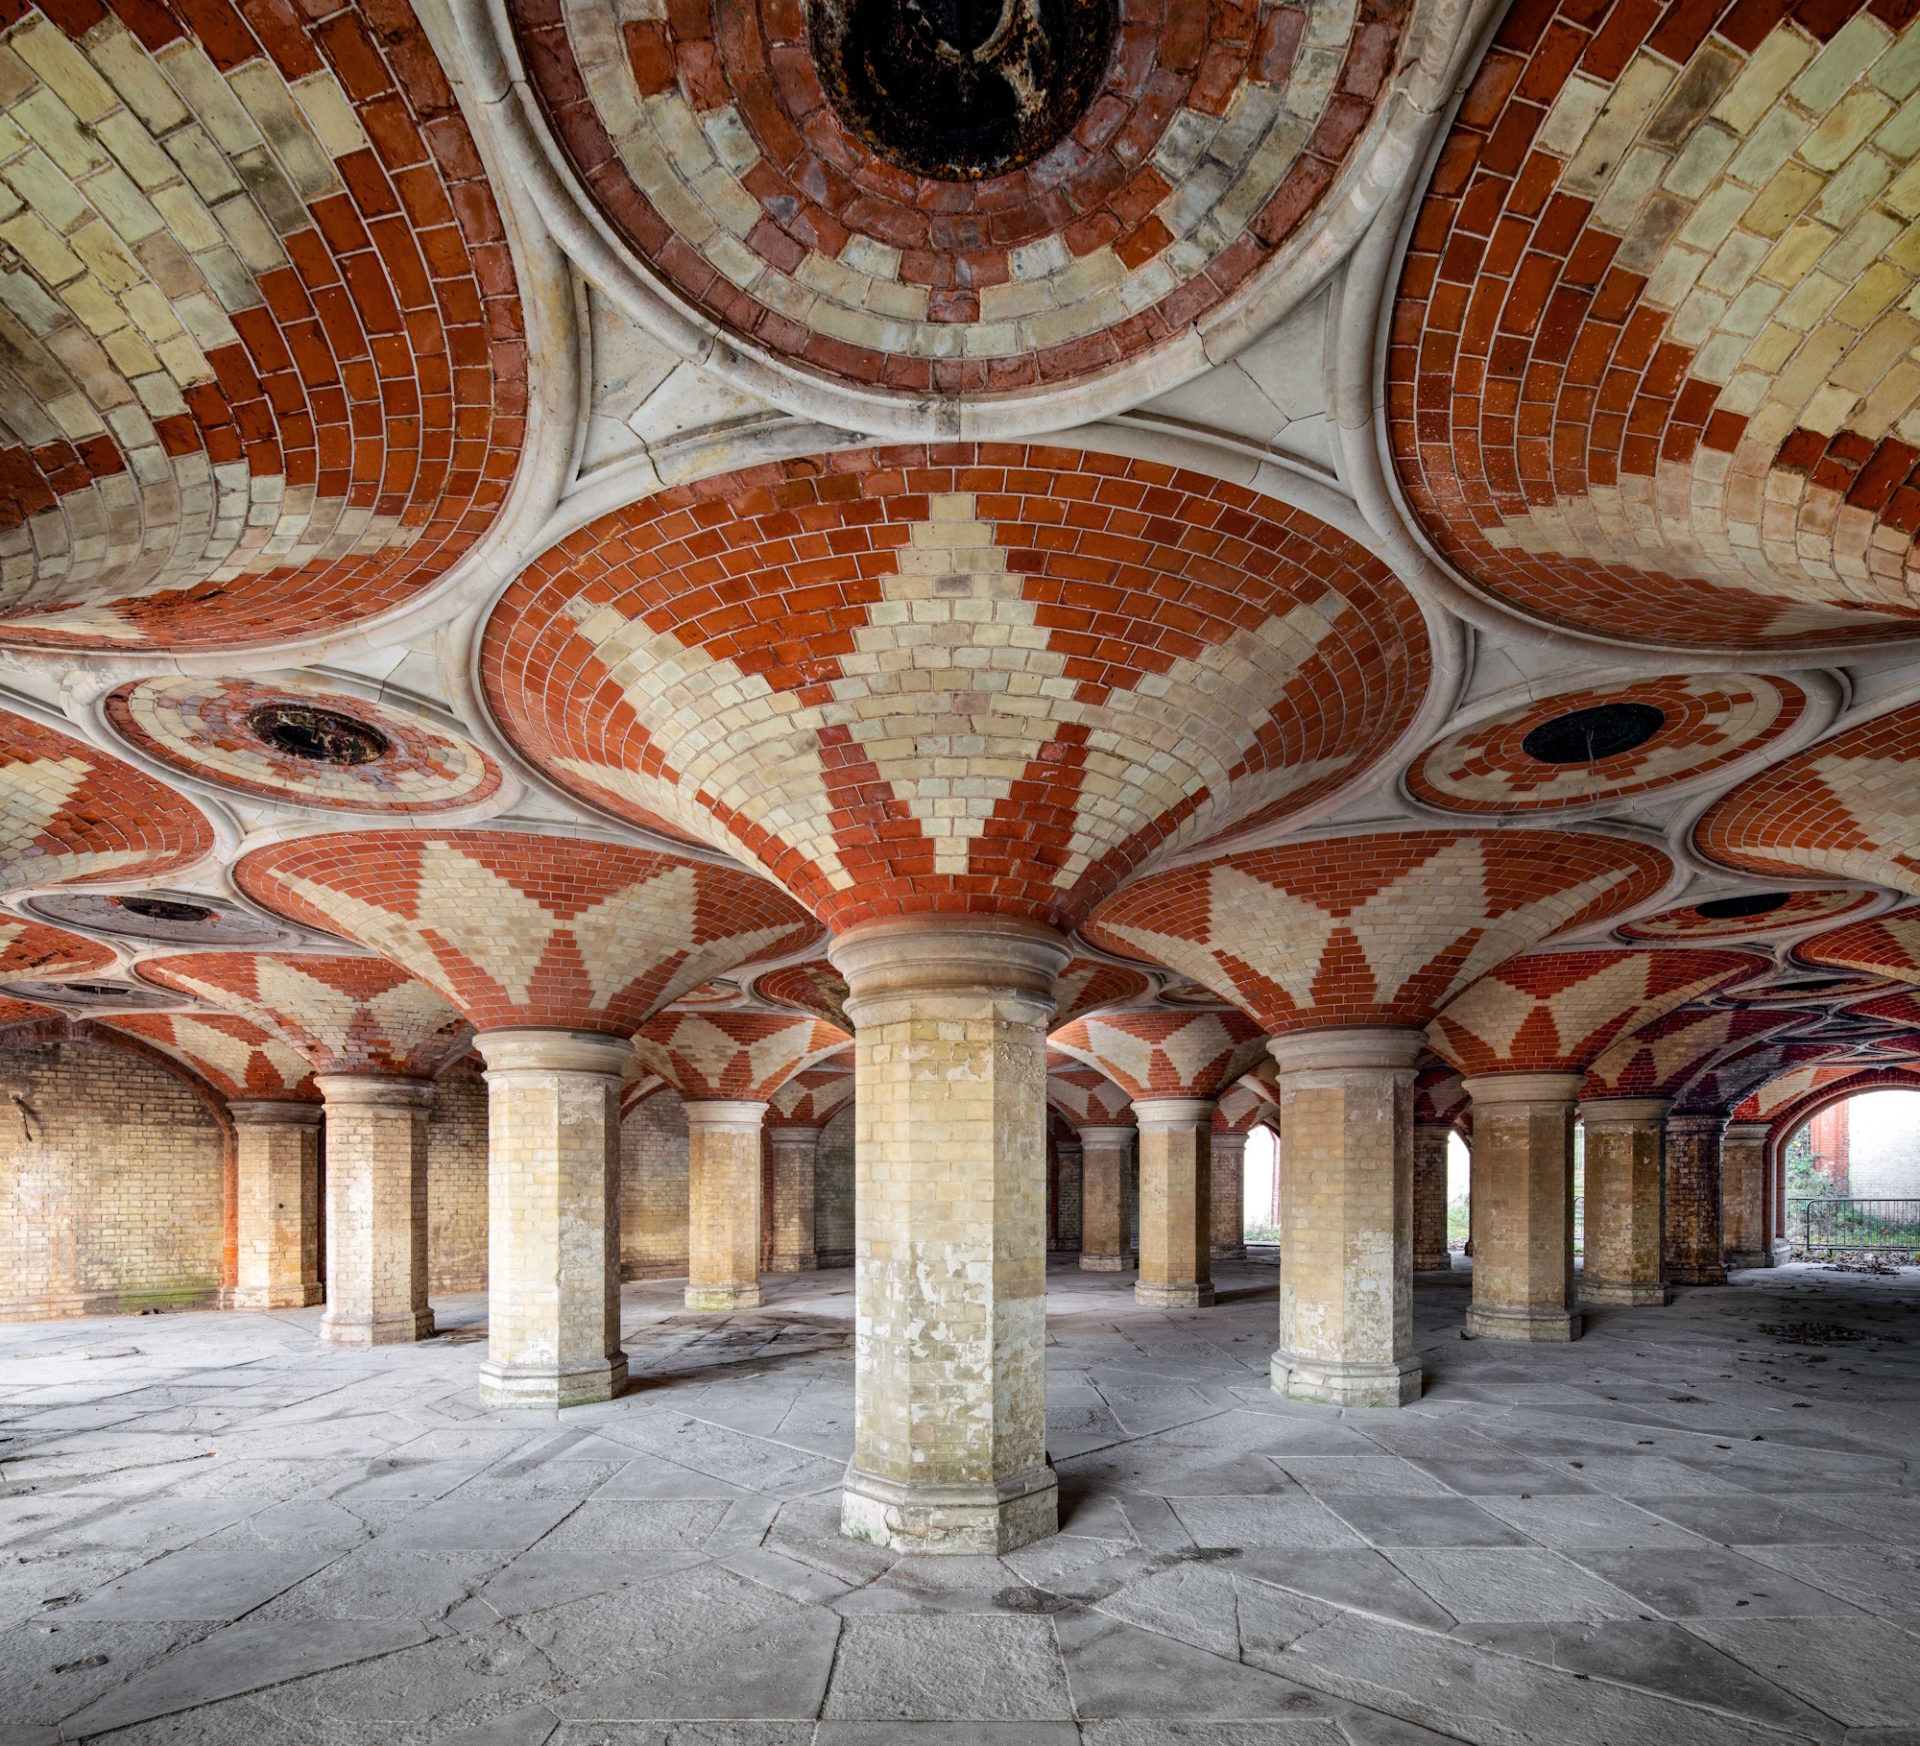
x: 1114, y: 1134
x: 1490, y: 1088
x: 1624, y: 1109
x: 961, y: 956
x: 1694, y: 1122
x: 1175, y: 1112
x: 1749, y: 1131
x: 1229, y: 1137
x: 794, y: 1132
x: 263, y: 1112
x: 374, y: 1091
x: 723, y: 1112
x: 543, y: 1051
x: 1337, y: 1050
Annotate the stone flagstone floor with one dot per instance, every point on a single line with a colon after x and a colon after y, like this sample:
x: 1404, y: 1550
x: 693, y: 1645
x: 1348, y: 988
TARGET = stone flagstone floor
x: 1686, y: 1530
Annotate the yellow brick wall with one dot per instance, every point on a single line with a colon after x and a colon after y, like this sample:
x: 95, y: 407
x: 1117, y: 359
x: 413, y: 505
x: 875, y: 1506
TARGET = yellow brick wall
x: 457, y: 1183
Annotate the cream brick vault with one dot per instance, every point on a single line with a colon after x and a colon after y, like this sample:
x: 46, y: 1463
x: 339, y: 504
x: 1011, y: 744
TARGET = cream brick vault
x: 1624, y: 1147
x: 723, y: 1204
x: 277, y: 1169
x: 1523, y: 1206
x: 376, y: 1208
x: 1346, y: 1217
x: 950, y: 1232
x: 553, y: 1217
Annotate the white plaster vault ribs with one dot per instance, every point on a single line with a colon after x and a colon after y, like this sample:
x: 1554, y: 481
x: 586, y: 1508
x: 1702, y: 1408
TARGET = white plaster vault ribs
x: 952, y: 691
x: 141, y: 197
x: 1221, y: 171
x: 1776, y: 223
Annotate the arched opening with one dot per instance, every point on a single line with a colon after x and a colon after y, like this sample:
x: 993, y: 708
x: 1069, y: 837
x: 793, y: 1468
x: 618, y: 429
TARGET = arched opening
x: 1262, y: 1180
x: 1459, y: 1194
x: 1852, y: 1175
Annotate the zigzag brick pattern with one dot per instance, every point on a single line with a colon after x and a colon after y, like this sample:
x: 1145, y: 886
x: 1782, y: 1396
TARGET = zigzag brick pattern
x: 746, y: 1055
x: 1889, y: 945
x: 1165, y: 1054
x: 238, y: 1058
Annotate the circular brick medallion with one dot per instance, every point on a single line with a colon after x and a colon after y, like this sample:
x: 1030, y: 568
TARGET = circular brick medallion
x: 985, y: 678
x: 1582, y: 748
x: 167, y: 917
x: 894, y: 254
x: 1747, y: 915
x: 300, y: 741
x: 95, y: 996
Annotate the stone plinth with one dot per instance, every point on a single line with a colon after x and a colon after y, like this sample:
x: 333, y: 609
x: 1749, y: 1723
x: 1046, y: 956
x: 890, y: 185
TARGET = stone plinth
x: 553, y: 1209
x: 796, y: 1157
x: 1624, y: 1145
x: 723, y: 1204
x: 950, y: 1233
x: 376, y: 1209
x: 1229, y: 1196
x: 277, y: 1167
x: 1745, y: 1237
x: 1430, y: 1252
x: 1106, y: 1199
x: 1523, y: 1206
x: 1176, y: 1202
x: 1692, y: 1240
x: 1346, y: 1217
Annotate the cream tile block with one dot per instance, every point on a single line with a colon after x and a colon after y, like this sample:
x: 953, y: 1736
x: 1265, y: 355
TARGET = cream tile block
x: 796, y: 1157
x: 1430, y: 1252
x: 376, y: 1209
x: 1523, y: 1206
x: 1346, y: 1217
x: 553, y: 1217
x: 1176, y: 1202
x: 723, y: 1204
x: 1106, y: 1199
x: 1624, y: 1146
x: 950, y: 1231
x: 1743, y: 1195
x: 1229, y: 1197
x: 277, y: 1166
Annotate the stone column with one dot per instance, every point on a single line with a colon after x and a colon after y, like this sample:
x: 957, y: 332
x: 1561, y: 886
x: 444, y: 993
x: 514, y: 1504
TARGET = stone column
x: 376, y: 1209
x: 1176, y: 1202
x: 1106, y: 1201
x: 553, y: 1209
x: 723, y: 1205
x: 1430, y: 1254
x: 277, y: 1158
x: 1229, y: 1196
x: 1346, y: 1217
x: 1693, y: 1220
x: 950, y: 1233
x: 796, y: 1152
x: 1066, y: 1235
x: 1624, y: 1143
x: 1745, y: 1239
x: 1523, y: 1216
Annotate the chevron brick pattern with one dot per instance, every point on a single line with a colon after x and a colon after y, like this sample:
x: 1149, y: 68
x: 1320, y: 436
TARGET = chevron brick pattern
x: 1660, y: 1057
x: 46, y: 954
x: 1889, y: 945
x: 1085, y: 1095
x: 746, y: 1055
x: 814, y: 1095
x: 238, y: 1058
x: 1165, y: 1054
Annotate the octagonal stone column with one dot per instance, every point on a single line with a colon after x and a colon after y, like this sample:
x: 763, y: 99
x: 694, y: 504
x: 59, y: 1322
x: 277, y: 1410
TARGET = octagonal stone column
x: 796, y: 1160
x: 1523, y: 1206
x: 1692, y: 1240
x: 1625, y: 1140
x: 376, y: 1209
x: 1346, y: 1217
x: 1229, y: 1195
x: 723, y: 1204
x: 1744, y: 1236
x: 1430, y: 1252
x: 553, y: 1209
x: 277, y: 1167
x: 1106, y: 1199
x: 950, y: 1232
x: 1176, y: 1202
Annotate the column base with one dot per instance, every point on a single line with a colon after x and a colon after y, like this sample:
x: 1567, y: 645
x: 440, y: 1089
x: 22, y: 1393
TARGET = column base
x: 1749, y: 1258
x: 808, y: 1263
x: 542, y: 1385
x: 260, y: 1297
x: 1782, y: 1252
x: 1350, y: 1383
x: 402, y: 1329
x: 1541, y: 1326
x: 950, y: 1518
x: 1229, y: 1251
x: 1173, y: 1296
x: 1104, y: 1263
x: 739, y: 1295
x: 1440, y: 1263
x: 1623, y: 1294
x: 1698, y: 1276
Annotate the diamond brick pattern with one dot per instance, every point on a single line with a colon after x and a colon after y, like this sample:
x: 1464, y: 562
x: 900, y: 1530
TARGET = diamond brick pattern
x: 238, y: 1058
x: 1165, y: 1054
x: 1556, y: 1012
x: 1648, y: 365
x: 265, y: 371
x: 1796, y: 909
x: 1085, y: 1095
x: 201, y: 728
x: 1658, y: 1058
x: 1711, y: 719
x: 1794, y: 1096
x: 1371, y: 930
x: 702, y: 132
x: 1438, y: 1095
x: 747, y: 1055
x: 969, y: 678
x: 518, y: 930
x: 342, y: 1014
x: 1889, y: 945
x: 33, y: 949
x: 1848, y: 807
x: 70, y: 813
x: 1244, y: 1106
x: 813, y: 1096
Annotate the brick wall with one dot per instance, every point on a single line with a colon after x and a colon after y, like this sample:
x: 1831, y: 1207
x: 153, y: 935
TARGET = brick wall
x: 833, y: 1192
x: 117, y: 1201
x: 653, y: 1189
x: 457, y: 1183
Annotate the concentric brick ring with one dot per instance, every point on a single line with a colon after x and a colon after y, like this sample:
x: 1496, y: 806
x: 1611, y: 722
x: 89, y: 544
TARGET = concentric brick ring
x: 985, y: 678
x: 1706, y: 721
x: 1746, y: 915
x: 703, y: 132
x: 211, y: 728
x: 265, y: 372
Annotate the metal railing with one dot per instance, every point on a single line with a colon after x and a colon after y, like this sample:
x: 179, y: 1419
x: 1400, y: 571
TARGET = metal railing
x: 1830, y: 1222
